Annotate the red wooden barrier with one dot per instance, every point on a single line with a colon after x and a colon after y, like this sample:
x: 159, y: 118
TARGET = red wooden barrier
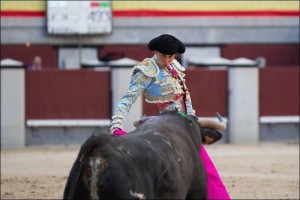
x: 275, y: 54
x: 279, y: 91
x: 84, y: 94
x: 68, y: 94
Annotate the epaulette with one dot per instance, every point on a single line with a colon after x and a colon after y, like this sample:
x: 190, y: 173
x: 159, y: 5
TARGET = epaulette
x: 178, y: 66
x: 147, y: 67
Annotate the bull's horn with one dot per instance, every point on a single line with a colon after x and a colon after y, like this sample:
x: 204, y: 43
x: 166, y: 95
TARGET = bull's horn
x: 219, y: 117
x: 209, y: 123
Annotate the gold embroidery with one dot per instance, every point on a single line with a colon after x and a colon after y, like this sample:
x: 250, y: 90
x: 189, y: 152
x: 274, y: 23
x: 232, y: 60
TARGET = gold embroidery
x: 164, y: 72
x: 168, y: 81
x: 167, y: 90
x: 147, y: 67
x: 159, y: 99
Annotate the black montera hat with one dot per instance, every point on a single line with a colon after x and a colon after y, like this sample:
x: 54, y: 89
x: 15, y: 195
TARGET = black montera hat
x: 166, y: 44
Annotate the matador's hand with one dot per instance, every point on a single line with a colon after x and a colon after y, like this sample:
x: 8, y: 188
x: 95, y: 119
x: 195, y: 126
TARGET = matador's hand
x: 118, y: 131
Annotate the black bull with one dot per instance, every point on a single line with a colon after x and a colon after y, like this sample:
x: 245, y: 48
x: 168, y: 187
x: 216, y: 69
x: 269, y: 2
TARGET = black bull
x: 158, y: 160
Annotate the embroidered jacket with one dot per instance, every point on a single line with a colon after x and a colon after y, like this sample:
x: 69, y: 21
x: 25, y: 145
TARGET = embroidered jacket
x: 157, y: 85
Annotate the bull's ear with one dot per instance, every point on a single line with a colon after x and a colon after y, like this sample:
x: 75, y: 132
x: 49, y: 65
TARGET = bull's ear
x: 210, y: 136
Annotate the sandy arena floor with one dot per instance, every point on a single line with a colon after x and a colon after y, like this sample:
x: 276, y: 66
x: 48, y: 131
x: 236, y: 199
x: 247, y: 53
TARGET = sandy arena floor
x: 263, y: 171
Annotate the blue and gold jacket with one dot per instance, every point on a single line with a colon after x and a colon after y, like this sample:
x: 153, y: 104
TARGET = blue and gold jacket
x: 157, y: 85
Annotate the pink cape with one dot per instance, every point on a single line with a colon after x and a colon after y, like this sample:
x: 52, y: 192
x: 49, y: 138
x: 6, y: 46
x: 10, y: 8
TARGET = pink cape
x: 215, y: 186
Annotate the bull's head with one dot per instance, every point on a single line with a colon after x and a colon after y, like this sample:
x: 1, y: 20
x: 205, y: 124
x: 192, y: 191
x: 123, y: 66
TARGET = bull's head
x: 210, y: 129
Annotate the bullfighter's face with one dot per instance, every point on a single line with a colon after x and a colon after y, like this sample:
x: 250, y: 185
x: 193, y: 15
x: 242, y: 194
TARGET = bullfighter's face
x: 164, y: 59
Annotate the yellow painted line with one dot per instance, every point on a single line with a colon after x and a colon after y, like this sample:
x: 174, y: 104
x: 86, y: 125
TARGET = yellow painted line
x: 169, y: 5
